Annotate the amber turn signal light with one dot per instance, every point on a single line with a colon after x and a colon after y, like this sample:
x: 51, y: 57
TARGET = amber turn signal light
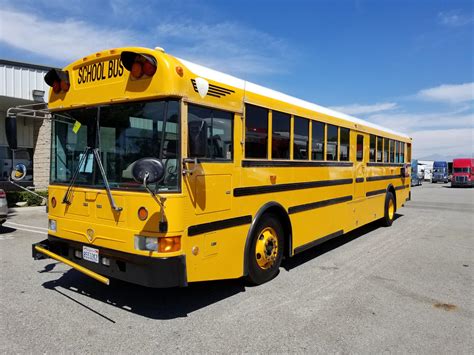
x: 142, y: 213
x: 169, y: 244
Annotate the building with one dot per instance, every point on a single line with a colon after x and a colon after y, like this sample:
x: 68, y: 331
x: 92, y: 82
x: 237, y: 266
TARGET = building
x: 23, y: 84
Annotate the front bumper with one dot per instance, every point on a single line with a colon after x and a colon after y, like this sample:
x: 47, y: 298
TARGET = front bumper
x: 137, y: 269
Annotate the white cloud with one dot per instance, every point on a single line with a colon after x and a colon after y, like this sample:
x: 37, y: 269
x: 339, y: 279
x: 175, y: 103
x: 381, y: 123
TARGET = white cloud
x: 448, y: 93
x: 64, y: 40
x: 450, y: 143
x: 225, y: 46
x: 448, y: 134
x: 357, y: 109
x: 454, y: 18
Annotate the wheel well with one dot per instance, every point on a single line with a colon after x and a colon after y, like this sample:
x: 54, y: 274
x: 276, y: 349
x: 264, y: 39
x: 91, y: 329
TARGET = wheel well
x: 283, y: 218
x: 392, y: 190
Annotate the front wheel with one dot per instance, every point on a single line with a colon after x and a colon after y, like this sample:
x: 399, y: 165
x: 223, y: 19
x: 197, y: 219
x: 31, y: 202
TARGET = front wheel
x: 266, y: 250
x: 389, y: 211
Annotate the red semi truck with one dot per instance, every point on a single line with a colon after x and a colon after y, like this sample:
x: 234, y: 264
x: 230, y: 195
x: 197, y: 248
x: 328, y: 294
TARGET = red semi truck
x: 463, y: 172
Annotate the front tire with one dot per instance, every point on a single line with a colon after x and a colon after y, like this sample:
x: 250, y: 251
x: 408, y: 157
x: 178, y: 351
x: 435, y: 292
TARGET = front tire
x: 266, y: 250
x: 389, y: 210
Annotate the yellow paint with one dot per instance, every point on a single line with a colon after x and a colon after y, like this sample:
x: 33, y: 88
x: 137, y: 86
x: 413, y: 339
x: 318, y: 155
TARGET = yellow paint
x: 207, y: 195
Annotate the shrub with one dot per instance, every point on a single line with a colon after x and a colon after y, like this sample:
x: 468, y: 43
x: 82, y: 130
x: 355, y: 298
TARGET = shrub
x: 24, y: 196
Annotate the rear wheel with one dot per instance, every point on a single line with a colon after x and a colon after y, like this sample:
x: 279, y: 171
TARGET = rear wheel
x: 390, y: 208
x: 266, y: 250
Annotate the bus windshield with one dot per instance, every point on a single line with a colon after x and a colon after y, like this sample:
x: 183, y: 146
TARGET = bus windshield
x: 123, y: 133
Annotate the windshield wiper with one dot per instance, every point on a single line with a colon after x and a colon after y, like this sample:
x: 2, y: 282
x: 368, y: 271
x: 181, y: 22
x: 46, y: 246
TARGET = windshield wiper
x: 106, y: 182
x: 67, y: 195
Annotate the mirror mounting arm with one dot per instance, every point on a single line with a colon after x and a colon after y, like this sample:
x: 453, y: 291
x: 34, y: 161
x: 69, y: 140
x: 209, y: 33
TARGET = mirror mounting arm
x: 189, y: 161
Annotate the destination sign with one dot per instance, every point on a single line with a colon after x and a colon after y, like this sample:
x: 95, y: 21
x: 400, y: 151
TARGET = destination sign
x: 100, y: 71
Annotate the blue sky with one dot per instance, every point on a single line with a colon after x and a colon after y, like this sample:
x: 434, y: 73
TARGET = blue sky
x: 407, y: 65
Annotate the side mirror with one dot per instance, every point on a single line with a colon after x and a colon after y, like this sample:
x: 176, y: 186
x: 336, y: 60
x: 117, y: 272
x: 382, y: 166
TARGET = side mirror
x: 150, y: 168
x: 19, y: 172
x: 10, y: 129
x: 197, y: 132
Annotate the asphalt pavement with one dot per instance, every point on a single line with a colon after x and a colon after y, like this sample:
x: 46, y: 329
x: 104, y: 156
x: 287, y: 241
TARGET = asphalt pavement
x: 404, y: 289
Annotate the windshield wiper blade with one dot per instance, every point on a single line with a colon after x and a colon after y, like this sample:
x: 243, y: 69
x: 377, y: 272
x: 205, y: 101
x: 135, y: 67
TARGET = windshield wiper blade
x: 66, y: 198
x: 106, y: 182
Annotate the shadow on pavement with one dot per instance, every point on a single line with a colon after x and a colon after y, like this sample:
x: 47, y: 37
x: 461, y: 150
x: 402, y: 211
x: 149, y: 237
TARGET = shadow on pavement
x: 148, y: 302
x: 331, y: 244
x: 177, y: 302
x: 5, y: 229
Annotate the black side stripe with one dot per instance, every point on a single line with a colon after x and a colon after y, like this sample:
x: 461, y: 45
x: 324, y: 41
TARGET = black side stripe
x: 384, y: 177
x: 256, y: 190
x: 402, y: 187
x: 375, y: 192
x: 385, y: 164
x: 293, y: 163
x: 214, y: 226
x: 318, y: 204
x: 359, y: 179
x: 318, y: 241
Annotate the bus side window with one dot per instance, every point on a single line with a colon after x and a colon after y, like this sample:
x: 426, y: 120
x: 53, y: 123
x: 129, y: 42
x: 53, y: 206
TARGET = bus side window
x: 280, y: 135
x: 332, y: 138
x: 300, y: 138
x: 256, y: 132
x: 317, y: 138
x: 379, y: 149
x: 372, y: 148
x: 402, y: 152
x: 385, y: 150
x: 344, y: 144
x: 219, y: 131
x: 392, y: 151
x: 360, y: 148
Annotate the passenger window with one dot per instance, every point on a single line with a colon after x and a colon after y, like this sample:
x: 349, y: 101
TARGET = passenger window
x: 409, y: 152
x: 332, y: 143
x: 256, y: 132
x: 385, y: 150
x: 379, y: 149
x: 219, y: 130
x: 280, y: 135
x: 392, y: 151
x: 402, y: 152
x: 372, y: 148
x: 397, y: 152
x: 317, y: 140
x: 300, y: 138
x: 344, y: 144
x: 360, y: 148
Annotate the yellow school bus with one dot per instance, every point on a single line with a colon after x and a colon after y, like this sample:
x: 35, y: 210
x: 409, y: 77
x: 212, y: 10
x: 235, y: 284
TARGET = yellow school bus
x: 165, y: 172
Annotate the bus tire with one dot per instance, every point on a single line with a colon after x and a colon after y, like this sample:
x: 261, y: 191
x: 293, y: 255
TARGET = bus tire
x: 389, y: 209
x: 266, y: 250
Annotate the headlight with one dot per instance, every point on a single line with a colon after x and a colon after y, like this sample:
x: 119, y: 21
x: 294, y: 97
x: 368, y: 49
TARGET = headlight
x: 52, y: 225
x: 161, y: 245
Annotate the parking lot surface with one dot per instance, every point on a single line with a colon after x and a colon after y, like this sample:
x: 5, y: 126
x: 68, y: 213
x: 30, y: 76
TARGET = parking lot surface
x: 407, y: 288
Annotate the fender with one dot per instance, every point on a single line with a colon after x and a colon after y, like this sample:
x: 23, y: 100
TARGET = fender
x: 266, y: 208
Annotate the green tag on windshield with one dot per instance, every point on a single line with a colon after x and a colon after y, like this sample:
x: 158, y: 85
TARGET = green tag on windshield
x: 76, y: 127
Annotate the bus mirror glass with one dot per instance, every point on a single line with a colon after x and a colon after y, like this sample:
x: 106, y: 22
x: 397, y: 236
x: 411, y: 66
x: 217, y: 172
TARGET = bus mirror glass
x: 19, y: 172
x: 10, y: 129
x: 197, y: 138
x: 148, y: 171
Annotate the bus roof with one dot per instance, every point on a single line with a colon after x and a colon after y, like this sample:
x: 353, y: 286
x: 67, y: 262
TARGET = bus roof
x: 260, y: 90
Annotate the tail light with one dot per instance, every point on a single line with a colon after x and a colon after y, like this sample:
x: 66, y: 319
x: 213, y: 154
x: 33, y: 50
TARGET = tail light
x: 2, y: 194
x: 139, y: 65
x: 58, y: 80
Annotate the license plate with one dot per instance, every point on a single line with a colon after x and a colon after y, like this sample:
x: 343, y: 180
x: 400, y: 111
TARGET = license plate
x: 90, y: 254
